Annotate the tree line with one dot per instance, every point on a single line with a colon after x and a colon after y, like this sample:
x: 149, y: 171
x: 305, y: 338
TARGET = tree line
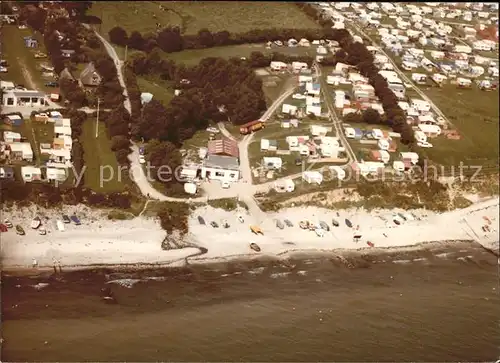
x: 170, y: 39
x: 356, y: 54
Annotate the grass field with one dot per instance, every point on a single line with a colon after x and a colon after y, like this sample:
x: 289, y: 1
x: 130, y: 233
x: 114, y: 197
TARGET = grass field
x: 21, y: 59
x: 161, y: 90
x: 475, y: 114
x: 236, y: 17
x: 98, y: 153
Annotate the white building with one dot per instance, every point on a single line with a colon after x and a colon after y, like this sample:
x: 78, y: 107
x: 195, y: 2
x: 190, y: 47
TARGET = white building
x: 54, y: 174
x: 272, y: 163
x: 312, y: 177
x: 290, y: 109
x: 30, y: 173
x: 278, y: 66
x: 27, y: 98
x: 21, y: 151
x: 218, y: 167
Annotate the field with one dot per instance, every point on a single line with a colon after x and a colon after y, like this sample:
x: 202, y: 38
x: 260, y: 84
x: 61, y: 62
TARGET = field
x: 235, y: 17
x: 23, y: 67
x: 98, y: 153
x: 475, y: 114
x: 160, y: 89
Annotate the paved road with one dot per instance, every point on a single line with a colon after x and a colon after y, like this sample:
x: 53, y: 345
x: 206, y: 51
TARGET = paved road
x: 245, y: 168
x: 402, y: 75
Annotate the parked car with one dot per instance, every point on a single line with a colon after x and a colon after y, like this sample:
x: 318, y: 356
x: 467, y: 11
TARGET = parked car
x: 214, y: 224
x: 51, y: 84
x: 40, y: 55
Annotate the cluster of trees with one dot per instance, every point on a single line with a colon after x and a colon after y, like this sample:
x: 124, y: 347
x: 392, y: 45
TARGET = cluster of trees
x: 214, y: 90
x: 356, y: 54
x: 170, y: 39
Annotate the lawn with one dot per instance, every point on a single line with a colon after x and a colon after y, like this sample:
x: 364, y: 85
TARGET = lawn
x: 98, y: 153
x: 160, y: 89
x: 235, y: 17
x: 475, y: 114
x: 21, y: 59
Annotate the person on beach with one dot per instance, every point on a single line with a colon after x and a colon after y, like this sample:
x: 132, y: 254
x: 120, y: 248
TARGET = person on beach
x: 34, y: 263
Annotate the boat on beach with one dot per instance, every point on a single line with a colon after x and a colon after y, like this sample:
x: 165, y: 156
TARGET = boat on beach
x: 335, y: 223
x: 348, y: 223
x: 42, y: 231
x: 320, y: 232
x: 279, y: 224
x: 8, y: 223
x: 3, y: 228
x: 369, y: 243
x: 396, y: 221
x: 288, y: 223
x: 20, y: 230
x: 304, y: 224
x: 254, y: 246
x: 201, y: 220
x: 324, y: 226
x: 60, y: 225
x: 66, y: 219
x: 256, y: 230
x: 36, y: 222
x: 75, y: 220
x: 225, y: 224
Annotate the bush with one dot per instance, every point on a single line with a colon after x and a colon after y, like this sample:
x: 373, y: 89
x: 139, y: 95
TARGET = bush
x: 118, y: 36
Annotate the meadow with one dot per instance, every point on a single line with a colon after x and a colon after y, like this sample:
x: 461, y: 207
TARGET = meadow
x: 237, y: 16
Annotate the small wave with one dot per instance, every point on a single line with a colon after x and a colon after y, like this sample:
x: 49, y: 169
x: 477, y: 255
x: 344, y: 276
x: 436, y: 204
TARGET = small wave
x: 419, y: 259
x: 302, y: 273
x: 128, y: 283
x: 40, y: 285
x: 257, y: 271
x: 401, y: 261
x: 279, y: 274
x: 443, y: 255
x: 465, y: 259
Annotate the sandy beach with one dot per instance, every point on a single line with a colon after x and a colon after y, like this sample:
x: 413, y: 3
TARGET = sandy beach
x: 99, y: 241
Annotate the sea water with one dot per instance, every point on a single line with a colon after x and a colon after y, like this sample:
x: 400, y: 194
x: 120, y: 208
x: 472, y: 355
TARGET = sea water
x: 439, y: 304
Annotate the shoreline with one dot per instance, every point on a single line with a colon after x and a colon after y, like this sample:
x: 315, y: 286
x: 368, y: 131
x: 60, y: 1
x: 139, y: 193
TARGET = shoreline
x: 100, y: 243
x: 293, y: 254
